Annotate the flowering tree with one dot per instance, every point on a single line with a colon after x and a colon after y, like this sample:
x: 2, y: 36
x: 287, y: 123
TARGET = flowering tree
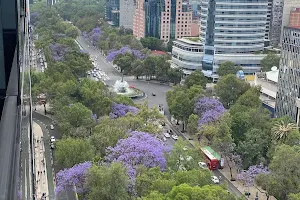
x: 248, y: 176
x: 139, y: 148
x: 58, y: 51
x: 34, y: 17
x: 114, y: 53
x: 120, y: 110
x: 66, y: 179
x: 94, y: 35
x: 209, y: 110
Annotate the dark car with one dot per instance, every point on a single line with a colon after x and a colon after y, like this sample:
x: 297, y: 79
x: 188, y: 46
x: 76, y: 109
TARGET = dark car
x: 153, y: 94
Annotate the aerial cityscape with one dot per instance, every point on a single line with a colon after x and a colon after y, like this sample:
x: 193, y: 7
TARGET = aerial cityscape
x: 150, y: 99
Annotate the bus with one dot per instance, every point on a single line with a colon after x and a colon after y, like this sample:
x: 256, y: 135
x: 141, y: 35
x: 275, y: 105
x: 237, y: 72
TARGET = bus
x: 212, y: 158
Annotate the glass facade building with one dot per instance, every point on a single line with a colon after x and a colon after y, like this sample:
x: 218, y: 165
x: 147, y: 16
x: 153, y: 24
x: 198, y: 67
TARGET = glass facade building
x: 232, y: 27
x: 153, y: 9
x: 288, y: 94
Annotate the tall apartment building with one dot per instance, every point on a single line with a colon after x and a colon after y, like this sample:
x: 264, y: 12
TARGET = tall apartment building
x: 163, y: 19
x: 295, y: 18
x: 268, y: 23
x: 120, y: 12
x: 233, y: 27
x: 281, y: 18
x: 288, y: 94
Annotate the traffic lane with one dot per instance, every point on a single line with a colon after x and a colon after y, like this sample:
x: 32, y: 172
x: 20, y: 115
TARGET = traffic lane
x: 47, y: 122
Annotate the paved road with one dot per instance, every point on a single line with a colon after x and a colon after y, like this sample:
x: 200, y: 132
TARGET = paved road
x: 113, y: 74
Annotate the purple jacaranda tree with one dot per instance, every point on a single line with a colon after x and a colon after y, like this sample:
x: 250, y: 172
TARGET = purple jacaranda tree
x: 58, y: 51
x: 209, y: 110
x: 66, y: 179
x: 112, y: 54
x: 139, y: 148
x: 120, y: 110
x: 94, y: 35
x: 248, y: 176
x: 34, y: 17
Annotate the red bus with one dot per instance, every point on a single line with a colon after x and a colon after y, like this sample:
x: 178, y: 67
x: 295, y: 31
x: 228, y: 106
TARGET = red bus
x: 212, y: 158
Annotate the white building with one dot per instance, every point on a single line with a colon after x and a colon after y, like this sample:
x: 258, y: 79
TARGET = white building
x: 127, y: 9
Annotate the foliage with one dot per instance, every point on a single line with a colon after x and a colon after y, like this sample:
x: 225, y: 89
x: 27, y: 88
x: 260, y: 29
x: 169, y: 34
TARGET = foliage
x: 138, y: 149
x: 229, y: 84
x: 108, y: 182
x: 208, y: 110
x: 193, y: 123
x: 248, y: 176
x: 122, y: 51
x: 74, y: 116
x: 120, y: 110
x: 196, y: 78
x: 66, y: 179
x: 282, y: 129
x: 152, y: 43
x: 283, y: 178
x: 269, y: 61
x: 227, y: 67
x: 183, y: 157
x: 94, y: 35
x: 71, y: 151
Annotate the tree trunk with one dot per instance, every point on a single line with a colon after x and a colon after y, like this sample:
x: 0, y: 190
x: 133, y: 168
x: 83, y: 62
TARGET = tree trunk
x: 183, y: 126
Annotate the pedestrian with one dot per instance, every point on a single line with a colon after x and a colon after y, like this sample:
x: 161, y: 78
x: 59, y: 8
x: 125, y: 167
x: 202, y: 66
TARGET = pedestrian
x: 44, y: 171
x: 38, y: 172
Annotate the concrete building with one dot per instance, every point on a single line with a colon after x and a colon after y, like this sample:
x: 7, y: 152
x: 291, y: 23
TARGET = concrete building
x: 127, y: 9
x: 288, y: 94
x: 280, y: 18
x: 120, y: 12
x: 295, y: 18
x: 163, y: 19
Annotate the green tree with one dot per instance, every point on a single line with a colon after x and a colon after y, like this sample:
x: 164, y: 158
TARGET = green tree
x: 79, y: 63
x: 230, y: 85
x: 193, y: 123
x: 70, y: 151
x: 269, y: 61
x: 124, y: 62
x: 285, y: 171
x: 137, y: 68
x: 196, y: 78
x: 228, y: 67
x: 149, y: 64
x: 108, y: 182
x: 74, y: 116
x: 175, y: 75
x: 183, y: 157
x: 253, y: 149
x: 152, y: 43
x: 72, y: 32
x: 294, y: 196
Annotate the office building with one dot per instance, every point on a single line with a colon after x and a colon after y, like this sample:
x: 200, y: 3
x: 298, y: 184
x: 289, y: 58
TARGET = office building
x: 120, y: 12
x: 268, y: 23
x: 233, y: 31
x: 295, y: 18
x: 280, y: 18
x: 288, y: 94
x: 163, y: 19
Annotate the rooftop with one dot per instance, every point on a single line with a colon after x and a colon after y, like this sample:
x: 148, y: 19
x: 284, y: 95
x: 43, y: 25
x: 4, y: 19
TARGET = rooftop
x: 268, y: 82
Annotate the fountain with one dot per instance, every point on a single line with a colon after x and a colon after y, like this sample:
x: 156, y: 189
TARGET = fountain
x: 122, y: 87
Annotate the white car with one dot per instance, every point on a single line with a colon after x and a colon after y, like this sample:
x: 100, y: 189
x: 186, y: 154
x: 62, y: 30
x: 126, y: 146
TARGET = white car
x: 51, y: 127
x: 167, y: 135
x: 89, y: 73
x: 52, y: 139
x: 215, y: 180
x: 175, y: 137
x: 164, y: 139
x: 203, y: 165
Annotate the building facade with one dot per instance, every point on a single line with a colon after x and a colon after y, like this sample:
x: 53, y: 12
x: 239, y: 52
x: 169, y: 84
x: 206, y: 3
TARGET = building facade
x: 163, y: 19
x: 287, y: 101
x: 127, y: 9
x: 233, y: 29
x: 295, y: 18
x: 112, y: 12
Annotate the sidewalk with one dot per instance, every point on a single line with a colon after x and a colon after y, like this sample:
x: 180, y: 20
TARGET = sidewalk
x: 40, y: 163
x: 226, y: 173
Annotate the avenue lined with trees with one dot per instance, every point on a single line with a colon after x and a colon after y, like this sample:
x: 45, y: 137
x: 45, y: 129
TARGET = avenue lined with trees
x: 107, y: 140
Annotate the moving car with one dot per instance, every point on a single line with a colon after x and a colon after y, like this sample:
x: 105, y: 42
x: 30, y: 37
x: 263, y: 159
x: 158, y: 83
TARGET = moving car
x: 215, y: 180
x: 153, y: 94
x: 203, y: 165
x: 51, y: 127
x: 52, y: 146
x: 175, y: 137
x: 167, y: 135
x: 52, y: 139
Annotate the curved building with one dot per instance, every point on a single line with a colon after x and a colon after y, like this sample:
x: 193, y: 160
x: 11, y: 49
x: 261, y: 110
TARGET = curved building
x: 232, y: 27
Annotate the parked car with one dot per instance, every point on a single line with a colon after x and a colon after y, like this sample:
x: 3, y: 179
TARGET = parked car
x: 51, y: 127
x: 175, y: 137
x: 52, y: 146
x: 153, y: 94
x: 167, y: 135
x: 215, y: 180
